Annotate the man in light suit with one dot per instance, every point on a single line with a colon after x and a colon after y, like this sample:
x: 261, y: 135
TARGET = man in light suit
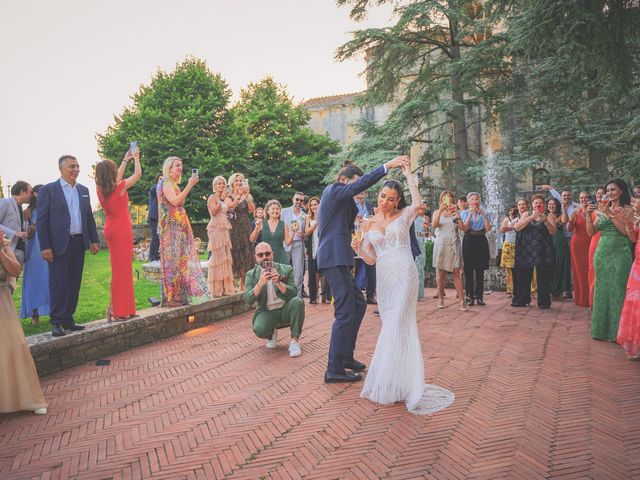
x: 66, y: 228
x: 12, y: 219
x: 334, y: 256
x: 296, y: 251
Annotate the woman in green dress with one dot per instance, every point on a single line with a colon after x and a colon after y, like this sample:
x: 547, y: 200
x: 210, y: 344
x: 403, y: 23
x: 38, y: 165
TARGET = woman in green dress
x: 562, y: 272
x: 277, y: 232
x: 611, y: 262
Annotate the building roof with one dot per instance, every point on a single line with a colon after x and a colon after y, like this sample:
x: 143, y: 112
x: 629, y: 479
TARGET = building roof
x: 333, y: 100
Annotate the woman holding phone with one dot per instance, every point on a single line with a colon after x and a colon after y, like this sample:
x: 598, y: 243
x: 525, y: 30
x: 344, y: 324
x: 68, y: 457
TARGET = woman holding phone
x: 220, y: 276
x: 241, y: 206
x: 112, y: 192
x: 182, y: 279
x: 534, y: 251
x: 611, y: 262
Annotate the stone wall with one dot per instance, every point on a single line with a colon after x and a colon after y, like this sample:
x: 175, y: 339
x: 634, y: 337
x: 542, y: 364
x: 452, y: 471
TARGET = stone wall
x: 102, y: 339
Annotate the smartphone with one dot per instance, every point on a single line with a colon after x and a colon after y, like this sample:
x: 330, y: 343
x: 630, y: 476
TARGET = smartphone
x: 267, y: 265
x: 245, y: 182
x: 132, y: 146
x: 540, y: 208
x: 194, y: 171
x: 592, y: 200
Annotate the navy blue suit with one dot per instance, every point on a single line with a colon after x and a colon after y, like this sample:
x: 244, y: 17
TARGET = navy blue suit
x: 53, y: 228
x: 336, y: 215
x: 152, y: 220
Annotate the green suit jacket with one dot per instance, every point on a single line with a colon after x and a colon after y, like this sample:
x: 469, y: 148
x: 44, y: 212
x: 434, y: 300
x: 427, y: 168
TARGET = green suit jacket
x: 286, y: 276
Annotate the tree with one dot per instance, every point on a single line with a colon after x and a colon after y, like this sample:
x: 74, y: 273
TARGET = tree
x: 284, y: 155
x: 575, y: 86
x: 183, y: 113
x: 443, y: 67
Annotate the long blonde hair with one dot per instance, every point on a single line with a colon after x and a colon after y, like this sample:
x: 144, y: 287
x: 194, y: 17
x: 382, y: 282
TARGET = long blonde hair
x: 233, y: 178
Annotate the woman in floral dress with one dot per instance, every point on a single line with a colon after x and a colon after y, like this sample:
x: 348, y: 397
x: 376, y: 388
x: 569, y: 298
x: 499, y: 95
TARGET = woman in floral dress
x: 182, y: 278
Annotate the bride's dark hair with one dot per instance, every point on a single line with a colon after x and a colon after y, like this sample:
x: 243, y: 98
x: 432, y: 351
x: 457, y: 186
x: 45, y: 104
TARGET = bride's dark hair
x: 397, y: 186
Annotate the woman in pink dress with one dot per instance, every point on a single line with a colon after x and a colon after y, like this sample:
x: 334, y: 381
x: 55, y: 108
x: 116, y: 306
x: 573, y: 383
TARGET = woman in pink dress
x: 580, y: 252
x: 629, y: 328
x: 118, y: 232
x: 220, y: 276
x: 600, y: 191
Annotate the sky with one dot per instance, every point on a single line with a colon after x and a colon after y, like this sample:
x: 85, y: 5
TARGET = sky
x: 68, y: 66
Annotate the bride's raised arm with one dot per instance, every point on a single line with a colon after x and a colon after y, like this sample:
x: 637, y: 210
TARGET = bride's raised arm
x: 412, y: 181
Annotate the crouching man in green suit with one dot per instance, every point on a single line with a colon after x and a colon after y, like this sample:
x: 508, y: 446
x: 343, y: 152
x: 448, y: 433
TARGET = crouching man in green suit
x: 273, y: 287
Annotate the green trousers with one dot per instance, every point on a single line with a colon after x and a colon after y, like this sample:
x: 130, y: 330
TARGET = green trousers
x: 292, y: 314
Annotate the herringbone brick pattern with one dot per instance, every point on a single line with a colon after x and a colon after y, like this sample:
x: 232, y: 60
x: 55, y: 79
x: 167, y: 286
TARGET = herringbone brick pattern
x: 535, y: 398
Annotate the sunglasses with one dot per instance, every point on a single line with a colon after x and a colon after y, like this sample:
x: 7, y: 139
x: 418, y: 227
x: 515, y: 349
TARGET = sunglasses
x: 299, y: 200
x: 263, y: 254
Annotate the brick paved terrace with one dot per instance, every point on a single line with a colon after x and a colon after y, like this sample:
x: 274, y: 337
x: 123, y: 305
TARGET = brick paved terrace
x: 535, y: 398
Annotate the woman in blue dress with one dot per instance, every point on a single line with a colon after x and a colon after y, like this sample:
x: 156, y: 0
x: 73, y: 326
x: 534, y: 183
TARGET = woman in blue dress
x: 35, y: 279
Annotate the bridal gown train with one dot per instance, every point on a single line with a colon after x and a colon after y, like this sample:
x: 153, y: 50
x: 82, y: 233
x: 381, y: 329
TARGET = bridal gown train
x: 396, y: 372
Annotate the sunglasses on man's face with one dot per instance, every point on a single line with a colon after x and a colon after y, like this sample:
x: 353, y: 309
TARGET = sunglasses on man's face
x: 299, y: 200
x: 263, y: 254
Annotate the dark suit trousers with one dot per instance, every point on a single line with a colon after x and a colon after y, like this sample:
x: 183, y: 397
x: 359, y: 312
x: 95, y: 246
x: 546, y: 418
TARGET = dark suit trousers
x: 371, y: 282
x: 522, y: 285
x: 349, y: 308
x: 312, y: 283
x: 155, y: 240
x: 65, y: 276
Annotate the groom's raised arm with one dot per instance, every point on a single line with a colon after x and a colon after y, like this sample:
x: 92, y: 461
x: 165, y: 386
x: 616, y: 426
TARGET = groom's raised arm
x: 370, y: 178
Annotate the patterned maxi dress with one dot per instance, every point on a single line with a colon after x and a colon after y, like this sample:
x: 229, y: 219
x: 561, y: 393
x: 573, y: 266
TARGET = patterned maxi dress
x: 220, y: 277
x: 611, y: 263
x: 182, y: 277
x: 240, y: 232
x: 629, y: 328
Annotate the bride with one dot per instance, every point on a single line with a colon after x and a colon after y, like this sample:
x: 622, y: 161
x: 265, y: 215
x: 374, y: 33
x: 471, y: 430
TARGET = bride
x: 397, y: 369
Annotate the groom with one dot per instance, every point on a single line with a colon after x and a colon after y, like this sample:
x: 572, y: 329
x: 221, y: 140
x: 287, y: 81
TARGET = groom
x: 334, y: 257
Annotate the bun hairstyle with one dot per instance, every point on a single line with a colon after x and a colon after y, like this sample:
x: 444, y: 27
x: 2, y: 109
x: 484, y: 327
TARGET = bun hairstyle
x: 349, y: 170
x: 397, y: 186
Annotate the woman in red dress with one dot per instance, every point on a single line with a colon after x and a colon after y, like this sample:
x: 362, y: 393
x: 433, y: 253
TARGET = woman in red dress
x: 580, y: 253
x: 629, y: 327
x: 600, y: 191
x: 112, y: 193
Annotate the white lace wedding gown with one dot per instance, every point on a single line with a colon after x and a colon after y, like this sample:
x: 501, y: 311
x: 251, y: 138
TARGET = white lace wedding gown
x: 396, y: 372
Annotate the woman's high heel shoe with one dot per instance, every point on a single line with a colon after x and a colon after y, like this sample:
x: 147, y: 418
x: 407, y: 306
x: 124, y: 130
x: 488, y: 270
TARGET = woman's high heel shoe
x: 463, y: 307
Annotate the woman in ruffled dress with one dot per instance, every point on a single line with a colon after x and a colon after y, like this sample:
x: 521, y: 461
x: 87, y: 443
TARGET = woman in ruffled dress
x: 220, y: 276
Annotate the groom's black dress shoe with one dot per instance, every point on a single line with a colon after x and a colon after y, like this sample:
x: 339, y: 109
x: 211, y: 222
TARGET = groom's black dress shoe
x: 354, y: 365
x: 341, y: 377
x: 57, y: 330
x: 73, y: 326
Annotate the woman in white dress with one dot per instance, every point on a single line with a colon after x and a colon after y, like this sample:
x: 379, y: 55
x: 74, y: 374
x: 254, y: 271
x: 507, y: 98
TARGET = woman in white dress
x: 447, y: 249
x: 397, y: 367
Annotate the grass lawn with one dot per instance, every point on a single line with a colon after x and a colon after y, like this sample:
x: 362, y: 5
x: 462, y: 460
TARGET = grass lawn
x: 94, y: 292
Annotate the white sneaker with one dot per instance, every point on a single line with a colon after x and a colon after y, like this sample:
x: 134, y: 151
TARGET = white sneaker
x: 41, y: 411
x: 294, y: 349
x: 272, y: 342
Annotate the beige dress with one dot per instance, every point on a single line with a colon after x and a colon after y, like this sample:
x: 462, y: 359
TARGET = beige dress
x: 220, y: 275
x: 447, y: 250
x: 19, y: 384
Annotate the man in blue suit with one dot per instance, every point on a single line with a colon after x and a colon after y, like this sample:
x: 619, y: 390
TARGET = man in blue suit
x: 334, y: 256
x: 66, y: 228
